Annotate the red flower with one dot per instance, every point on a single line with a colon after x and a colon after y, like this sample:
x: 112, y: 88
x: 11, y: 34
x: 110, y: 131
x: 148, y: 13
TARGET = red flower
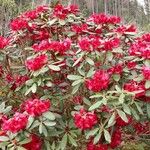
x: 117, y: 69
x: 43, y: 45
x: 73, y: 9
x: 34, y: 144
x: 36, y: 107
x: 122, y: 123
x: 114, y: 20
x: 131, y: 65
x: 146, y: 72
x: 60, y: 11
x: 32, y: 14
x: 3, y: 42
x: 40, y: 35
x: 18, y: 24
x: 99, y: 18
x: 85, y: 120
x: 15, y: 124
x: 37, y: 62
x: 79, y: 28
x: 132, y: 86
x: 116, y: 138
x: 110, y: 44
x: 99, y: 81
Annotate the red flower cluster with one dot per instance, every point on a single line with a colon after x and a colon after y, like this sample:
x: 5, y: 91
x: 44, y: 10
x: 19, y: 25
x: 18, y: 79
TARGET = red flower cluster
x: 85, y: 120
x: 104, y: 19
x: 141, y: 47
x: 40, y: 34
x: 3, y: 42
x: 146, y: 72
x: 134, y: 86
x: 34, y: 144
x: 89, y: 43
x: 61, y: 12
x: 123, y: 29
x: 36, y: 107
x: 116, y: 138
x: 15, y: 124
x: 18, y: 24
x: 131, y: 65
x: 122, y: 123
x: 110, y: 44
x: 79, y: 28
x: 37, y: 62
x: 99, y: 81
x: 55, y: 46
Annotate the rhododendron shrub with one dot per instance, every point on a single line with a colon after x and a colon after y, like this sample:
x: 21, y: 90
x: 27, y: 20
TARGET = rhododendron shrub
x: 70, y: 82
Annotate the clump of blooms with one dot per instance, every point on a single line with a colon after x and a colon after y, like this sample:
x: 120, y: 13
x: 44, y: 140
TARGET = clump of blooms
x: 3, y: 42
x: 15, y: 124
x: 99, y: 81
x: 146, y: 73
x: 116, y: 138
x: 135, y: 86
x: 37, y: 62
x: 55, y: 46
x: 36, y: 107
x: 94, y: 70
x: 36, y: 141
x: 122, y: 123
x: 85, y: 120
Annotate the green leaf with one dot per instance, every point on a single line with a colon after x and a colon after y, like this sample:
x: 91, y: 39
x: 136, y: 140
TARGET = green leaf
x: 147, y: 84
x: 25, y: 141
x: 96, y: 96
x: 148, y: 109
x: 54, y: 67
x: 139, y: 108
x: 90, y: 73
x: 34, y: 88
x: 96, y: 105
x: 77, y: 82
x: 97, y: 137
x: 63, y: 142
x: 107, y: 136
x: 126, y: 109
x: 134, y: 113
x: 49, y: 123
x: 72, y: 141
x: 30, y: 122
x: 40, y: 128
x: 90, y: 61
x: 74, y: 77
x: 29, y: 82
x: 4, y: 138
x: 111, y: 120
x: 75, y: 88
x: 109, y: 56
x: 116, y: 77
x: 52, y: 21
x: 49, y: 84
x: 122, y: 115
x: 121, y: 98
x: 62, y: 22
x: 44, y: 130
x: 49, y: 115
x: 92, y: 133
